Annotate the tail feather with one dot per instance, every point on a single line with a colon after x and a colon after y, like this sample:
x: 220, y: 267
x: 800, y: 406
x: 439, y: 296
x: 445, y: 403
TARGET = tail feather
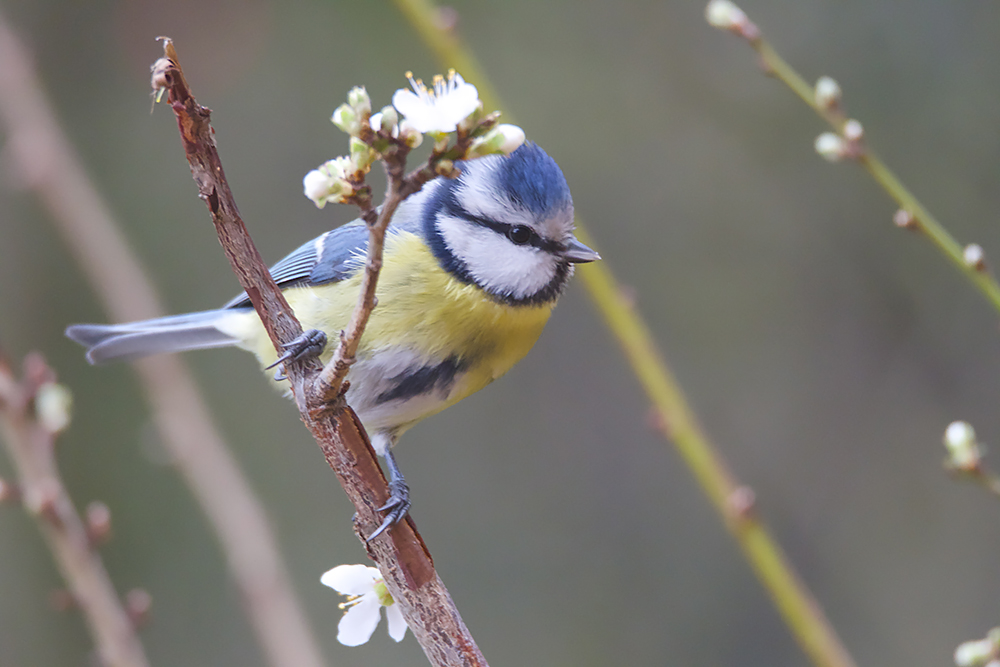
x: 177, y: 333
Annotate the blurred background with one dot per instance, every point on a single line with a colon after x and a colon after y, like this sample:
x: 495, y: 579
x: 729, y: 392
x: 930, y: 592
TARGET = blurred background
x: 824, y: 350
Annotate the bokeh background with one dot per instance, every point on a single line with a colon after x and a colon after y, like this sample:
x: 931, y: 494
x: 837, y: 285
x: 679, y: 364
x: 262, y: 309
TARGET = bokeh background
x: 824, y: 350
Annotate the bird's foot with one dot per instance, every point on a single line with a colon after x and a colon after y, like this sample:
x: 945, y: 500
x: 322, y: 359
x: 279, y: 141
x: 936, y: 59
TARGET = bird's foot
x: 395, y: 508
x: 308, y: 345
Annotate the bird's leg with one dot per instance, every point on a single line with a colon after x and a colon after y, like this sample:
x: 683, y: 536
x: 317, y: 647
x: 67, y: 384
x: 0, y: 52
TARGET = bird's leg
x: 399, y: 496
x: 310, y: 343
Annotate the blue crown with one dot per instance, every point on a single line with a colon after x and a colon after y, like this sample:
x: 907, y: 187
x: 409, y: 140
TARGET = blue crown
x: 534, y: 180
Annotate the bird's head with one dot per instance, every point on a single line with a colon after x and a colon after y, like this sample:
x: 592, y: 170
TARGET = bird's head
x: 506, y: 225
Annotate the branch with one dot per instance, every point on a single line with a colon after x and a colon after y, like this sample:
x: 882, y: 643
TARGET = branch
x: 31, y: 444
x: 49, y: 166
x: 913, y: 214
x: 799, y: 609
x: 440, y: 162
x: 402, y: 558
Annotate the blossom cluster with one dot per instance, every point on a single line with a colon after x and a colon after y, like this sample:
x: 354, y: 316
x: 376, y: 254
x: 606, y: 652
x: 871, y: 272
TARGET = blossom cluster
x: 449, y: 105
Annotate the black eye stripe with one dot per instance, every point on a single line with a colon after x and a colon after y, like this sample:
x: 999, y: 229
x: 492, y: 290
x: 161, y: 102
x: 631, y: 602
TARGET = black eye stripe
x: 504, y: 229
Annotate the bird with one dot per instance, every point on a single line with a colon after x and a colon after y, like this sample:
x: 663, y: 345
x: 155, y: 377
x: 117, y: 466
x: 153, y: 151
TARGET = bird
x: 472, y: 269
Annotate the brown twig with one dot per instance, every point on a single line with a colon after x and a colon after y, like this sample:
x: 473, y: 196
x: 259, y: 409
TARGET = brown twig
x: 31, y: 444
x: 49, y: 166
x: 401, y: 186
x: 402, y: 558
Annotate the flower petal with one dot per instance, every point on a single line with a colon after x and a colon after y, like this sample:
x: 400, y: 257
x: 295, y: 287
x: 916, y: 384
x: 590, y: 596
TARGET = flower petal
x: 397, y: 624
x: 316, y: 186
x: 351, y: 579
x: 464, y: 100
x: 407, y: 102
x: 359, y: 622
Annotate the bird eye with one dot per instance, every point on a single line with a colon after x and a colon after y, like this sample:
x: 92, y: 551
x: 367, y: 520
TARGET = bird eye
x: 519, y: 234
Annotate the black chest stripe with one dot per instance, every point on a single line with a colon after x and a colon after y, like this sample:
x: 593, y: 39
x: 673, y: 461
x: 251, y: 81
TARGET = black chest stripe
x: 426, y: 379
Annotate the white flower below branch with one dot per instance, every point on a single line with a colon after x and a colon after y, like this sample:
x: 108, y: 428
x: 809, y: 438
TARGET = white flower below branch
x: 366, y: 595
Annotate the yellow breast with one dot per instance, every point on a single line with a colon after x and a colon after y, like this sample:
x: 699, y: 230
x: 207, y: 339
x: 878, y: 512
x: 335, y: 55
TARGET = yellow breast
x: 422, y: 309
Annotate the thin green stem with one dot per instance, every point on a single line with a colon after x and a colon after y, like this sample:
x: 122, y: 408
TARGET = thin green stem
x: 797, y: 606
x: 776, y: 66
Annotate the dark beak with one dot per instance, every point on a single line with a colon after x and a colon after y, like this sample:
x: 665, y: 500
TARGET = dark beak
x: 577, y: 253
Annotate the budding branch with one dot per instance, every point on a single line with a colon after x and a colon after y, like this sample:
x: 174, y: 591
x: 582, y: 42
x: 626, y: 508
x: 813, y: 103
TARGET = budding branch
x: 402, y: 557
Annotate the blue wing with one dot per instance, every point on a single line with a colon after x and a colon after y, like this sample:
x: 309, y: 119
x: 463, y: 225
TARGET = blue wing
x: 328, y: 258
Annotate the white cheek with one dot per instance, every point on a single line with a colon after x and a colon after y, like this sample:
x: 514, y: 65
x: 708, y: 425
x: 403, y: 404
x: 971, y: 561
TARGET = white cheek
x: 495, y: 263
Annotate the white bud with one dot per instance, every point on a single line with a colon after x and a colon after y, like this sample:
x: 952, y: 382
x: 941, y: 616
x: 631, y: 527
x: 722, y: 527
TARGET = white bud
x: 315, y: 185
x: 386, y: 120
x: 831, y: 146
x: 903, y: 218
x: 724, y: 15
x: 362, y: 156
x: 328, y: 183
x: 53, y: 405
x: 359, y: 101
x: 974, y: 257
x: 963, y: 449
x: 827, y: 92
x: 346, y: 119
x: 502, y: 139
x: 975, y: 653
x: 513, y: 137
x: 409, y: 134
x: 853, y: 131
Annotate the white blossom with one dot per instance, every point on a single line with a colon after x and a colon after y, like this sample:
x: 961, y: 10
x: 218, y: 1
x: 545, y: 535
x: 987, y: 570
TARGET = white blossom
x: 366, y: 595
x: 440, y: 108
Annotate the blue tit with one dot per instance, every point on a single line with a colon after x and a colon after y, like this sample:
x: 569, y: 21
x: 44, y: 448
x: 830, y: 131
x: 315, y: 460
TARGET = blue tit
x: 472, y: 269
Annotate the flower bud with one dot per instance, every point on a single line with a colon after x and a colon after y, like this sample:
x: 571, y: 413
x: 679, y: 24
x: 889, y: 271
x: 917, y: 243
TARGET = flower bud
x: 409, y: 134
x: 98, y: 522
x: 446, y: 168
x: 853, y: 131
x: 347, y: 120
x: 977, y: 653
x: 827, y: 93
x: 831, y: 147
x: 53, y: 405
x: 724, y: 15
x: 904, y: 219
x: 328, y: 183
x: 963, y: 449
x: 974, y: 257
x: 386, y: 120
x: 359, y: 101
x: 503, y: 139
x: 513, y: 137
x: 362, y: 156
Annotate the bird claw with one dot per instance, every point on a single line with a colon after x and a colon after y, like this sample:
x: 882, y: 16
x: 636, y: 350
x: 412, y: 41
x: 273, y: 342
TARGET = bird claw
x: 396, y: 507
x: 310, y: 344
